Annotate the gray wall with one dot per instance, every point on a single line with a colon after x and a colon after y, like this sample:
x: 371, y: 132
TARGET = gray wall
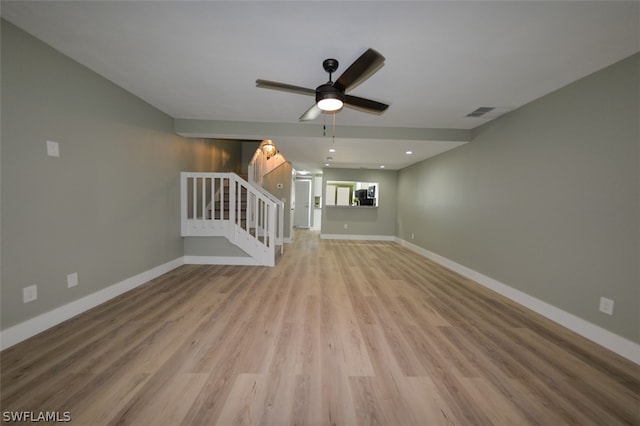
x: 108, y: 207
x: 544, y: 199
x: 248, y: 151
x: 222, y: 155
x: 363, y: 221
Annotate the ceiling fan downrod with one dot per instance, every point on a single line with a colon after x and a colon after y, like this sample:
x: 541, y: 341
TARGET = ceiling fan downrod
x: 330, y: 65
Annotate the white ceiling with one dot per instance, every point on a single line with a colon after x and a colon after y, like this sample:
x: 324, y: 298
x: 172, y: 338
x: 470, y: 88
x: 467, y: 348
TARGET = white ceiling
x: 200, y: 60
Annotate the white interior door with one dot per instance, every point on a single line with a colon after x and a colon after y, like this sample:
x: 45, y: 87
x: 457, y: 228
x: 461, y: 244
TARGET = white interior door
x: 302, y: 210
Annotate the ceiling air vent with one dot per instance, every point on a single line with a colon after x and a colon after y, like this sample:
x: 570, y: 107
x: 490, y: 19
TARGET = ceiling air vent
x: 480, y: 111
x: 488, y: 112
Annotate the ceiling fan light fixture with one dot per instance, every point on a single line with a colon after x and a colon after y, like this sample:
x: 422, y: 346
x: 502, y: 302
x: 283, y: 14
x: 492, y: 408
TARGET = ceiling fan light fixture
x: 328, y: 98
x: 330, y: 104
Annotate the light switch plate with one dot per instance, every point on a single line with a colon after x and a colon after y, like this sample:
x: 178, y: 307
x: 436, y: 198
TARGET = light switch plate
x: 30, y: 293
x: 606, y: 306
x: 53, y: 149
x: 72, y: 280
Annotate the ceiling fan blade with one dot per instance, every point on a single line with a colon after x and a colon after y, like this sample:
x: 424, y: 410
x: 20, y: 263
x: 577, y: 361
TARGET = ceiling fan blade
x: 311, y: 114
x: 266, y: 84
x: 366, y: 105
x: 363, y: 67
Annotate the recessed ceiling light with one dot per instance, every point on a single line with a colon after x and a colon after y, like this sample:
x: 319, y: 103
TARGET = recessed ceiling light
x: 382, y: 166
x: 327, y: 164
x: 409, y: 152
x: 332, y: 150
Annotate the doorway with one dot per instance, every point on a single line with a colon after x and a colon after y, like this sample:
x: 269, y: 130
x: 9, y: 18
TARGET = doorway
x: 302, y: 209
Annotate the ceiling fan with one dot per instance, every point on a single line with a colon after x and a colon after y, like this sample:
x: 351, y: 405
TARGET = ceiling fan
x: 331, y: 96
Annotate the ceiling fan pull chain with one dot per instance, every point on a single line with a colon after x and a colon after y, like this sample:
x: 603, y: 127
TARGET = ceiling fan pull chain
x: 334, y: 125
x: 333, y: 141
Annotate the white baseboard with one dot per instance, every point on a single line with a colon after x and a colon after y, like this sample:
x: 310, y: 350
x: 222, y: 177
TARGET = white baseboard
x: 615, y: 343
x: 33, y: 326
x: 220, y: 260
x: 358, y: 237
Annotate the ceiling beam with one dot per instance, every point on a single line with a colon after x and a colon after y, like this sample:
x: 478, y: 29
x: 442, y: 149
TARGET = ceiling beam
x: 255, y: 130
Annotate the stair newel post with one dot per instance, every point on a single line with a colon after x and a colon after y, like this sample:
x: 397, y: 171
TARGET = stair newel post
x: 249, y: 207
x: 232, y: 209
x: 280, y: 209
x: 263, y: 221
x: 203, y: 200
x: 212, y: 203
x: 194, y: 193
x: 222, y: 197
x: 239, y: 204
x: 256, y: 211
x: 271, y: 246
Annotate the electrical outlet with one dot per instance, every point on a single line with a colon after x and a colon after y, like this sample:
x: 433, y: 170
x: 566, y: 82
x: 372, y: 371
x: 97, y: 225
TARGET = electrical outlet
x: 346, y: 226
x: 413, y: 236
x: 606, y: 306
x: 72, y: 280
x: 29, y: 294
x: 53, y: 149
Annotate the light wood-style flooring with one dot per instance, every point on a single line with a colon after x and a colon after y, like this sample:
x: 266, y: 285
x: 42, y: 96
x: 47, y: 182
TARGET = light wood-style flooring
x: 339, y: 332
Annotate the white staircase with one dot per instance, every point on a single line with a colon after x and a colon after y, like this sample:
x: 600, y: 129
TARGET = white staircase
x: 225, y: 205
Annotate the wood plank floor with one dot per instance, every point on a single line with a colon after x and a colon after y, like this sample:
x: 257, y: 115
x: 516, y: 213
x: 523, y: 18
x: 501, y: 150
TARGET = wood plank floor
x: 339, y: 332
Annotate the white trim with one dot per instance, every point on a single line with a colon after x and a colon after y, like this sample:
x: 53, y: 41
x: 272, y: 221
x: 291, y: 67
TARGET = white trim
x: 221, y: 260
x: 599, y: 335
x: 357, y: 237
x: 19, y: 332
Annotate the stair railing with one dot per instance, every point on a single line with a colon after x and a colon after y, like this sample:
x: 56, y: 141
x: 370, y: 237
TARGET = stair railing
x: 224, y: 204
x: 279, y: 215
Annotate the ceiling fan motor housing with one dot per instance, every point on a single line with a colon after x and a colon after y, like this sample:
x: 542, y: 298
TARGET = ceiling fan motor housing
x: 327, y: 91
x: 329, y: 98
